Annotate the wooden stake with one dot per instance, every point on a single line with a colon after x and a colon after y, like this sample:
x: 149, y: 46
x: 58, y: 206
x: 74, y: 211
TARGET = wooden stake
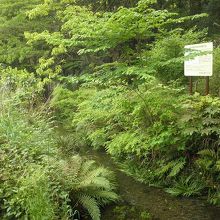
x: 207, y: 85
x: 190, y: 85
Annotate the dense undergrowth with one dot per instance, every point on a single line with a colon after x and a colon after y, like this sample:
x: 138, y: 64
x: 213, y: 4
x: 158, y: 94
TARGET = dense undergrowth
x: 113, y: 76
x: 163, y: 136
x: 36, y: 180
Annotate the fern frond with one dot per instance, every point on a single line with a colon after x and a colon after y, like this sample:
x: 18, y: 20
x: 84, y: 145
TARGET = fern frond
x: 205, y: 163
x: 98, y: 182
x: 86, y: 167
x: 164, y: 169
x: 187, y: 187
x: 105, y: 196
x: 208, y: 153
x: 177, y: 168
x: 98, y: 171
x: 90, y: 185
x: 91, y: 205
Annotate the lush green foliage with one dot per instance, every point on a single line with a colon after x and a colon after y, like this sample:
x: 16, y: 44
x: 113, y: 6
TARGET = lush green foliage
x: 120, y: 42
x: 35, y: 181
x: 169, y: 137
x: 112, y: 71
x: 13, y: 48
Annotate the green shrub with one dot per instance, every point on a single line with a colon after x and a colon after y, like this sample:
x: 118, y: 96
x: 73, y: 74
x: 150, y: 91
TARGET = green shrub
x: 89, y: 185
x: 165, y: 59
x: 36, y: 194
x: 159, y: 131
x: 36, y: 182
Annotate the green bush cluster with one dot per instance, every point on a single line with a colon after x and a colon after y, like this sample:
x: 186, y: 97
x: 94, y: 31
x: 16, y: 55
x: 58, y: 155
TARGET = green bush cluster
x: 164, y: 136
x: 36, y: 182
x: 109, y: 64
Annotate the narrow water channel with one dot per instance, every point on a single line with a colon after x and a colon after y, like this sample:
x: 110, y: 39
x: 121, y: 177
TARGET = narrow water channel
x: 161, y: 205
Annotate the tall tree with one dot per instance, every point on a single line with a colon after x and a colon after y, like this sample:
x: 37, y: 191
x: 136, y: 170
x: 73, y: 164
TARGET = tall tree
x: 14, y: 22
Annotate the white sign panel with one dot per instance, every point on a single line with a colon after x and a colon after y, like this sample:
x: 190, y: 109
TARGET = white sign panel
x: 199, y: 65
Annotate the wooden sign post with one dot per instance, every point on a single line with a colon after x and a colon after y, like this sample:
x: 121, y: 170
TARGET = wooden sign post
x: 199, y: 62
x: 190, y: 85
x: 207, y: 85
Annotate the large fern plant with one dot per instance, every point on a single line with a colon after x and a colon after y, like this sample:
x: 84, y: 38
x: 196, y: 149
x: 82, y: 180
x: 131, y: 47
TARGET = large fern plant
x: 90, y: 186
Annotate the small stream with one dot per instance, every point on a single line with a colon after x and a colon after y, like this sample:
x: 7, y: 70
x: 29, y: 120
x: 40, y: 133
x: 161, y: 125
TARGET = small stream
x: 158, y: 203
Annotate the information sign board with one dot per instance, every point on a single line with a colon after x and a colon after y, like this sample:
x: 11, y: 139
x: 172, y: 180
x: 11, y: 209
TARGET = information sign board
x: 199, y: 65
